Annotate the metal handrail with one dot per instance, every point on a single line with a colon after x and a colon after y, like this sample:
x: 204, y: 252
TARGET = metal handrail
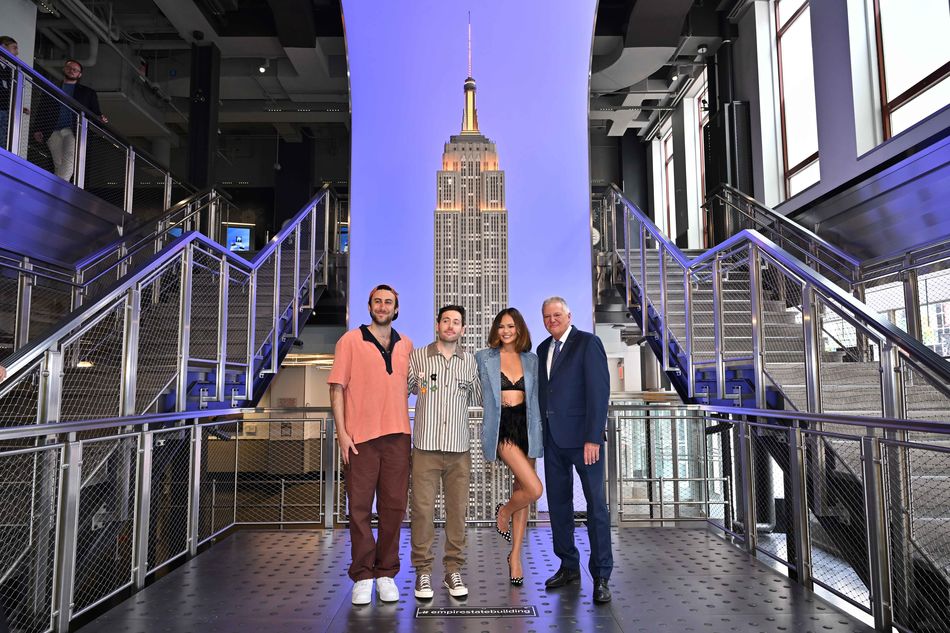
x: 887, y: 334
x: 20, y: 69
x: 853, y: 265
x: 116, y: 255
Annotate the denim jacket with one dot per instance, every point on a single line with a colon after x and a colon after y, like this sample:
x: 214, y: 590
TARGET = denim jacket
x: 489, y: 373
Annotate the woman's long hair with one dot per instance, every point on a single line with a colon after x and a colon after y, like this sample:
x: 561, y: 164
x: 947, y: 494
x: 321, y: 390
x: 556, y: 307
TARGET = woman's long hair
x: 523, y: 340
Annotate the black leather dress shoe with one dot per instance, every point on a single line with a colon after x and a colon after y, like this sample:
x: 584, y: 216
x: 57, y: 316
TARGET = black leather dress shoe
x: 562, y: 577
x: 601, y: 591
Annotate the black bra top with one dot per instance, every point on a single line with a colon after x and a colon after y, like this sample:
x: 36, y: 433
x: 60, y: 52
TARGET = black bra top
x: 507, y: 385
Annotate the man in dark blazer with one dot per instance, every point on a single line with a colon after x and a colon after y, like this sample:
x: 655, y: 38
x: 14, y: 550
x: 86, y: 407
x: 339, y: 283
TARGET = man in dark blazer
x: 574, y: 390
x: 56, y: 122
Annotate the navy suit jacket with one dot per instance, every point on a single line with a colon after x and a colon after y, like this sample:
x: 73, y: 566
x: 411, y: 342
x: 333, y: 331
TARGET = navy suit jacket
x: 575, y: 396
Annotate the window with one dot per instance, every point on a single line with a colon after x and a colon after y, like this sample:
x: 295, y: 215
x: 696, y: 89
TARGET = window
x: 913, y: 63
x: 796, y: 83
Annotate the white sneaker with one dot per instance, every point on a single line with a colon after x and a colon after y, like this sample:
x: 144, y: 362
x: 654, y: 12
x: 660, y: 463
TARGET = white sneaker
x: 386, y: 588
x: 363, y: 591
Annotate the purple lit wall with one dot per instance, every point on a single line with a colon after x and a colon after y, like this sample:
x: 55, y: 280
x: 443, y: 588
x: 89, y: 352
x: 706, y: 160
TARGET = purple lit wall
x: 407, y: 63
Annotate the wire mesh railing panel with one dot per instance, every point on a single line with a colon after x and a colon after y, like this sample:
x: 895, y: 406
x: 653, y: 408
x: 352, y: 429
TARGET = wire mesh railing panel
x: 8, y: 303
x: 105, y: 531
x: 50, y: 301
x: 737, y: 328
x: 170, y: 476
x: 52, y: 131
x: 148, y: 188
x: 158, y: 334
x: 239, y: 287
x: 280, y: 472
x: 701, y: 313
x: 98, y: 276
x: 837, y: 516
x: 19, y: 401
x: 92, y: 368
x: 933, y: 289
x: 218, y: 500
x: 675, y: 300
x: 106, y: 166
x: 288, y: 266
x: 633, y: 264
x: 303, y: 266
x: 264, y: 302
x: 918, y: 497
x: 770, y: 466
x: 888, y: 301
x: 782, y: 334
x: 205, y: 288
x: 29, y: 489
x: 7, y: 77
x: 850, y: 368
x: 180, y: 191
x: 635, y: 493
x: 924, y: 398
x: 722, y: 473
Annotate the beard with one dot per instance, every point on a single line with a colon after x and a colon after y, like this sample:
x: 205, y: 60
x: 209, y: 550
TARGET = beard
x: 381, y: 321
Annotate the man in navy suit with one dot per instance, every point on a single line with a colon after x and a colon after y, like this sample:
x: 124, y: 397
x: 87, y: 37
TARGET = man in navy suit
x: 574, y: 390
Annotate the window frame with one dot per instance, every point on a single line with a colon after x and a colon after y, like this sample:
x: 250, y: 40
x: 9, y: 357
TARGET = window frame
x: 788, y: 172
x: 919, y: 88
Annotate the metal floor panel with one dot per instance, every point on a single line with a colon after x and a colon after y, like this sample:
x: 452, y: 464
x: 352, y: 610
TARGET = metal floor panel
x: 665, y: 579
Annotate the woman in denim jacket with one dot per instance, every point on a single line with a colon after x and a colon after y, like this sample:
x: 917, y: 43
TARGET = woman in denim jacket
x: 511, y: 429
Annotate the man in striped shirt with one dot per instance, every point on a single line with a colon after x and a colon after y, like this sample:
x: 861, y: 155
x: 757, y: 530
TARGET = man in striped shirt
x: 445, y: 380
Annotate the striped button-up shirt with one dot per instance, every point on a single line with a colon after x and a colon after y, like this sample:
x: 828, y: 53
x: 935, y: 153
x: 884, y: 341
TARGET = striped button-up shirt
x: 445, y: 389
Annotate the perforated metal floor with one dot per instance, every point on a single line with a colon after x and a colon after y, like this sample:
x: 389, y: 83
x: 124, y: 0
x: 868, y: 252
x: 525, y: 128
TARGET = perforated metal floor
x: 675, y: 580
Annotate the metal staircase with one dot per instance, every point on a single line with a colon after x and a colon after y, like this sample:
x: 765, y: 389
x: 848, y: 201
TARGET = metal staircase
x: 188, y: 325
x: 756, y: 333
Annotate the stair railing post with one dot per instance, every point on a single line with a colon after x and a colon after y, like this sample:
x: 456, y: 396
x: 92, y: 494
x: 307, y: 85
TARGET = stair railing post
x: 16, y: 112
x: 612, y: 457
x: 811, y: 332
x: 748, y: 484
x: 758, y: 325
x: 24, y: 304
x: 167, y: 191
x: 251, y: 332
x: 328, y: 457
x: 67, y: 531
x: 799, y: 488
x: 223, y: 318
x: 326, y: 239
x: 644, y: 302
x: 275, y: 314
x: 665, y: 335
x: 130, y: 352
x: 184, y: 328
x: 194, y: 491
x: 879, y: 567
x: 129, y: 180
x: 295, y: 301
x: 912, y: 302
x: 716, y: 273
x: 82, y: 149
x: 628, y: 299
x: 143, y: 507
x: 311, y: 269
x: 688, y: 310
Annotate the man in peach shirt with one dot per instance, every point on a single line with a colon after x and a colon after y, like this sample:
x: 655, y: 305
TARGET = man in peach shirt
x: 369, y: 396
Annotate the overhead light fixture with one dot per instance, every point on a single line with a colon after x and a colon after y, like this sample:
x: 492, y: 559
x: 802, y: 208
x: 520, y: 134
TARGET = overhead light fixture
x: 85, y: 364
x: 674, y: 77
x: 263, y: 67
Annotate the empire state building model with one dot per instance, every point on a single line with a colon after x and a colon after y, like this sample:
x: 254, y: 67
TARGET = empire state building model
x: 471, y: 226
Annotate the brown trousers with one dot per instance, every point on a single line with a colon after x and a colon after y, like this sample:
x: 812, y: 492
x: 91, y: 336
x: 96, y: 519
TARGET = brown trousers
x: 454, y: 471
x: 381, y: 470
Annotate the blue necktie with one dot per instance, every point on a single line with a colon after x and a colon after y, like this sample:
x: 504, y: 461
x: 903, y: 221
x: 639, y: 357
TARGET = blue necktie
x: 557, y: 350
